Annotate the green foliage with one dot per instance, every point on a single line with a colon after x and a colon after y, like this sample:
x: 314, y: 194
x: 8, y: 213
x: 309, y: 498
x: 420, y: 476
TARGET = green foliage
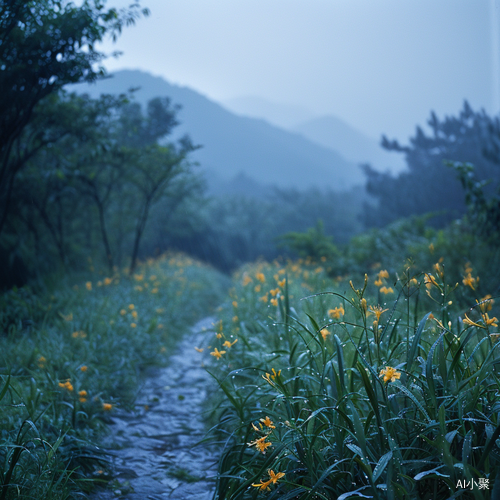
x: 72, y: 354
x: 228, y: 231
x: 357, y: 392
x: 483, y: 211
x: 313, y: 243
x: 93, y: 189
x: 45, y: 45
x: 426, y: 185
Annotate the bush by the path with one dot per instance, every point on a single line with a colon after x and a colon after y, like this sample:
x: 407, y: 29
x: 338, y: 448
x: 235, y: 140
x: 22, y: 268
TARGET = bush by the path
x: 71, y: 355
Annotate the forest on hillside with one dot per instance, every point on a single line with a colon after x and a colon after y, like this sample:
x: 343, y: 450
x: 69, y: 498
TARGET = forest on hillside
x: 101, y: 178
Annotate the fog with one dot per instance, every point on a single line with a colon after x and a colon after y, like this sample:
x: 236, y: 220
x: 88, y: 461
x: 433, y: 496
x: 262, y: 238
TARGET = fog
x: 379, y: 66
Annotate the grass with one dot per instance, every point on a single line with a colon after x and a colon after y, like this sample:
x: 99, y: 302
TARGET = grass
x: 72, y: 354
x: 386, y: 387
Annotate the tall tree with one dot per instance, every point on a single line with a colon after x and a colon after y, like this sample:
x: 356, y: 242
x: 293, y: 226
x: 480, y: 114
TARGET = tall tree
x: 44, y: 45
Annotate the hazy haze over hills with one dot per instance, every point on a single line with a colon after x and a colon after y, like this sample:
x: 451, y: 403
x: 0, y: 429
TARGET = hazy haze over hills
x: 234, y: 144
x: 326, y: 130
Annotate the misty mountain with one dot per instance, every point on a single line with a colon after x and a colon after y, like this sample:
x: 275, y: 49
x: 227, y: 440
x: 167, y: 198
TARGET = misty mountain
x: 282, y: 115
x: 233, y: 144
x: 332, y: 132
x: 328, y: 131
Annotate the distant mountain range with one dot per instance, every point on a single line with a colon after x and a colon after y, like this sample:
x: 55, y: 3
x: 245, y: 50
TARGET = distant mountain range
x: 235, y: 145
x: 325, y: 130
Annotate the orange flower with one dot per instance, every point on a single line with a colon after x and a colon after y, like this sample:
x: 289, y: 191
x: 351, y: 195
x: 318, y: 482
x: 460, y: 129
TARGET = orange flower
x: 216, y: 353
x: 324, y: 333
x: 273, y: 478
x: 390, y: 373
x: 336, y: 313
x: 268, y: 422
x: 261, y: 444
x: 377, y: 310
x: 107, y: 406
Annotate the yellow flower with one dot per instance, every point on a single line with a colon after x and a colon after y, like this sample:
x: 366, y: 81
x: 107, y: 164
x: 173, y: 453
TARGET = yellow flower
x: 377, y: 310
x: 229, y: 344
x: 257, y: 288
x: 429, y: 280
x: 274, y: 302
x: 336, y: 313
x: 324, y: 333
x: 216, y: 353
x: 154, y: 290
x: 152, y: 277
x: 260, y: 277
x: 386, y: 290
x: 41, y: 361
x: 261, y: 444
x: 123, y: 312
x: 88, y: 285
x: 390, y: 373
x: 82, y: 393
x: 139, y: 277
x: 273, y: 478
x: 235, y: 319
x: 235, y: 304
x: 133, y: 325
x: 488, y: 321
x: 469, y: 322
x: 486, y: 303
x: 108, y: 281
x: 68, y: 317
x: 134, y: 314
x: 131, y: 306
x: 268, y: 422
x: 439, y: 269
x: 263, y: 298
x: 470, y: 281
x: 383, y: 274
x: 431, y: 248
x: 378, y: 282
x: 83, y: 368
x: 107, y: 406
x: 274, y: 292
x: 246, y: 280
x: 66, y: 385
x: 282, y: 283
x: 199, y: 349
x: 363, y: 304
x: 271, y: 378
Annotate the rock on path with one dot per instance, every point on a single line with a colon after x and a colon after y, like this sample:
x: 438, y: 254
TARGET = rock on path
x: 152, y: 448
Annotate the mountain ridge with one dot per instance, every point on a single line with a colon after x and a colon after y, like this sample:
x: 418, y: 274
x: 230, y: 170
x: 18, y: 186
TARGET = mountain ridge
x: 233, y: 144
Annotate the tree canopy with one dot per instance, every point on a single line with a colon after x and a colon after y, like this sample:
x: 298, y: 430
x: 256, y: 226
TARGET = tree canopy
x: 45, y: 45
x: 428, y: 184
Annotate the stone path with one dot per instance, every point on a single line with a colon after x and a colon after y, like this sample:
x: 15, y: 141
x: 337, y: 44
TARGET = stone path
x: 153, y: 448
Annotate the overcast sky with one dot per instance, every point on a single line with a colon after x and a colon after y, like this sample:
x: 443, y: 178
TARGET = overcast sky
x: 381, y: 65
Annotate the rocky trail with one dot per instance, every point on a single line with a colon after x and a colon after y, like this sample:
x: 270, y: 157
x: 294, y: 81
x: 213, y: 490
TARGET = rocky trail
x: 153, y: 449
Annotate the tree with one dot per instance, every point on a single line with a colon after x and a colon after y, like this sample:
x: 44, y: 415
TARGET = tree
x: 152, y: 168
x: 45, y: 45
x: 428, y: 184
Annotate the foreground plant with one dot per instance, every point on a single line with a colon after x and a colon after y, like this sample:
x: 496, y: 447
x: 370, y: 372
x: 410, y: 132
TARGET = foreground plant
x: 368, y: 399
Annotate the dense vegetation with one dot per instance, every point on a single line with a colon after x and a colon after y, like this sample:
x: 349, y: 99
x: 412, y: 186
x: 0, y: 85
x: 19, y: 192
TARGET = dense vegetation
x: 383, y: 386
x: 382, y: 383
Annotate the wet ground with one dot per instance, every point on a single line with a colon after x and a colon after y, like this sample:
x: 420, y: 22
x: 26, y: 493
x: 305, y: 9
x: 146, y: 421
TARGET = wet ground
x: 154, y: 449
